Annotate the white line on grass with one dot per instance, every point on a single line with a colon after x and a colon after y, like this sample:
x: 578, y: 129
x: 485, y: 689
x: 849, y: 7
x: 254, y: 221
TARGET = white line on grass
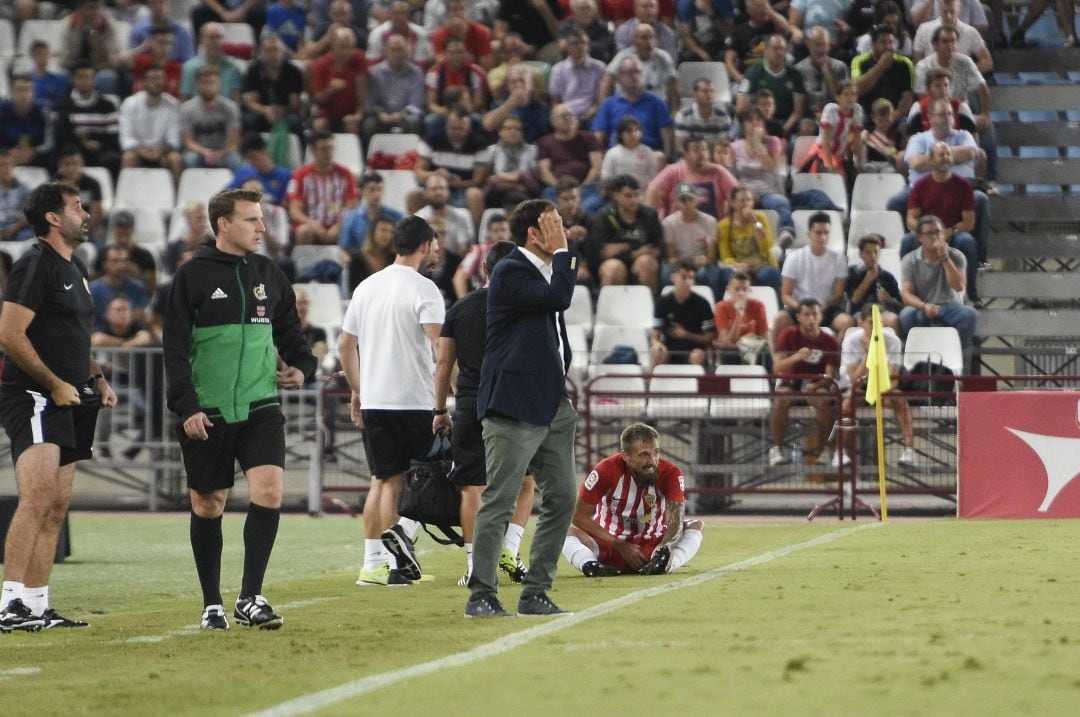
x: 192, y: 629
x: 18, y: 672
x: 334, y: 695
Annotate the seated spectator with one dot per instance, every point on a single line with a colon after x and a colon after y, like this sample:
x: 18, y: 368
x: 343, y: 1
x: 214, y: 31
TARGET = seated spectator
x: 938, y: 87
x: 156, y: 51
x: 630, y: 98
x: 577, y: 223
x: 537, y: 21
x: 839, y: 141
x: 690, y: 238
x: 569, y: 152
x: 253, y: 12
x: 288, y: 21
x: 329, y: 16
x: 814, y: 272
x: 626, y: 238
x: 358, y: 221
x: 746, y: 241
x: 785, y: 82
x: 69, y: 168
x: 454, y: 226
x: 881, y: 143
x: 868, y: 283
x: 338, y: 85
x: 659, y: 78
x: 196, y: 233
x: 25, y: 126
x: 1066, y: 17
x: 141, y: 264
x: 630, y: 156
x: 459, y: 153
x: 320, y: 194
x: 89, y: 35
x: 375, y: 253
x: 704, y: 116
x: 511, y: 179
x: 276, y: 241
x: 521, y: 102
x: 395, y: 93
x: 150, y: 127
x: 853, y: 374
x: 417, y: 48
x: 273, y: 180
x: 576, y: 80
x: 703, y: 28
x: 512, y: 51
x: 272, y: 89
x: 585, y: 17
x: 804, y: 349
x: 434, y: 12
x: 884, y: 72
x: 49, y: 87
x: 90, y: 121
x: 210, y: 125
x: 820, y: 72
x: 314, y: 335
x: 969, y: 41
x: 745, y: 46
x: 805, y: 14
x: 157, y: 15
x: 969, y: 11
x: 117, y: 281
x: 212, y: 54
x: 932, y: 282
x: 742, y: 326
x: 889, y: 14
x: 758, y: 158
x: 646, y: 13
x: 13, y: 195
x: 683, y: 326
x: 469, y: 275
x: 453, y: 71
x: 764, y: 101
x: 122, y: 330
x: 714, y: 183
x: 951, y: 200
x: 475, y: 37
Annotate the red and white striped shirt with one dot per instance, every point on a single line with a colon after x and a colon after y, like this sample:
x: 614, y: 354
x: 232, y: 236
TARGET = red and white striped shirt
x: 325, y: 197
x: 623, y: 508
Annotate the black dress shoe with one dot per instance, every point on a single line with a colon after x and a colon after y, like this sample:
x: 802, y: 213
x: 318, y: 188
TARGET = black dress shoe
x: 539, y: 605
x: 485, y: 606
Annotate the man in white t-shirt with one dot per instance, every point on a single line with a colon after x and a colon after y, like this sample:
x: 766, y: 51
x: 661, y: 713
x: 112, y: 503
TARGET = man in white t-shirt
x: 814, y: 272
x: 387, y: 343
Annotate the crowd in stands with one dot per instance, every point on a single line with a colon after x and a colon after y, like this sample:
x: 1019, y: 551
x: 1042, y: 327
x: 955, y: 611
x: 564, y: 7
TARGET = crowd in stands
x: 661, y: 167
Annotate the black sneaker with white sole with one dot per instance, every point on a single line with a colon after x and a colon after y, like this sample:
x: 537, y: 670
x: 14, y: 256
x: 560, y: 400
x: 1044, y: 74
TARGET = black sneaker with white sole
x: 52, y: 619
x: 596, y: 569
x: 256, y: 612
x: 213, y: 618
x: 399, y: 545
x: 16, y: 616
x: 658, y: 563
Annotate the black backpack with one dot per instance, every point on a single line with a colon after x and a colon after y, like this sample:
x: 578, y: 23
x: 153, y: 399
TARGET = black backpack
x: 429, y: 497
x: 930, y: 377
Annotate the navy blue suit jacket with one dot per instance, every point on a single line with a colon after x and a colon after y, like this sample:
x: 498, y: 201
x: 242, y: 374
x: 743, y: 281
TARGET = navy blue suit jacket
x: 521, y: 377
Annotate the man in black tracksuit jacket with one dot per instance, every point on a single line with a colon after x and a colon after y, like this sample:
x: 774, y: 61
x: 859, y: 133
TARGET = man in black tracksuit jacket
x: 231, y: 314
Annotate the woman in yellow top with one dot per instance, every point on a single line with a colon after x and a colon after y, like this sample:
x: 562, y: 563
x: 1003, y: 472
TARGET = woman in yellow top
x: 746, y: 241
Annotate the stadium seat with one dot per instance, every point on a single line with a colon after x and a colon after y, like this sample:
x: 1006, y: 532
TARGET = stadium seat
x: 875, y: 221
x: 579, y: 351
x: 481, y: 236
x: 325, y: 311
x: 5, y: 89
x: 744, y: 379
x: 625, y: 306
x: 397, y: 183
x: 617, y: 378
x: 31, y: 176
x: 15, y: 249
x: 122, y: 30
x: 580, y: 312
x: 832, y: 184
x: 836, y: 229
x: 306, y: 255
x: 51, y: 31
x: 606, y: 337
x: 767, y: 296
x: 940, y: 344
x: 872, y: 191
x: 198, y: 184
x: 101, y: 174
x: 146, y: 188
x: 803, y: 143
x: 392, y: 143
x: 347, y: 152
x: 149, y: 227
x: 689, y: 72
x: 238, y: 33
x: 676, y: 378
x: 7, y: 41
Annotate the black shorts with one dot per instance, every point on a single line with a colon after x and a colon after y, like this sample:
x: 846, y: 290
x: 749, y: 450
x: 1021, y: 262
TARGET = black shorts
x: 392, y: 439
x: 30, y: 417
x: 258, y: 441
x: 468, y: 442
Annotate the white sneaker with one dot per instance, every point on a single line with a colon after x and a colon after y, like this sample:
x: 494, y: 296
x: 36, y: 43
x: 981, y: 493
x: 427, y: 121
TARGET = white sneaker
x: 778, y: 456
x: 907, y: 457
x: 835, y: 462
x: 827, y: 457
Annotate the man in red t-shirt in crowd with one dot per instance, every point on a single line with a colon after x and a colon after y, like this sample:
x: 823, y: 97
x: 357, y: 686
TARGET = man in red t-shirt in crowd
x: 477, y: 37
x: 804, y: 349
x: 629, y: 513
x: 339, y: 85
x: 320, y: 194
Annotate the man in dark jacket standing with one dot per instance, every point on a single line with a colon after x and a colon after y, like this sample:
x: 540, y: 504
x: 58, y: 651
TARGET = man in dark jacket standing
x: 232, y: 312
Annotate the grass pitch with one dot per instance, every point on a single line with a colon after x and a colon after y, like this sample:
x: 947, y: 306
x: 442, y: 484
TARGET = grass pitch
x: 772, y: 617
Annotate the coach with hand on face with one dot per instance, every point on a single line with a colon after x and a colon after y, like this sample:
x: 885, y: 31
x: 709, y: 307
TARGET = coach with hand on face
x: 528, y: 418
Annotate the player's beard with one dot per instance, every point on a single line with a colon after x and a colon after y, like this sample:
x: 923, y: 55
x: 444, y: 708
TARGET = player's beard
x: 74, y: 234
x: 646, y: 480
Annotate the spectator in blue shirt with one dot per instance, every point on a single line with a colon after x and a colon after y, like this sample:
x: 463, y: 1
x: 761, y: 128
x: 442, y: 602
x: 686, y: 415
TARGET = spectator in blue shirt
x: 183, y: 48
x: 288, y: 21
x: 274, y: 179
x: 25, y: 128
x: 632, y: 99
x: 50, y: 87
x: 355, y: 227
x: 117, y: 281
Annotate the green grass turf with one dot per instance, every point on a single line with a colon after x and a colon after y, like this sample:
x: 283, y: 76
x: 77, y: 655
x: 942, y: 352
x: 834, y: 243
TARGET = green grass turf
x: 909, y: 618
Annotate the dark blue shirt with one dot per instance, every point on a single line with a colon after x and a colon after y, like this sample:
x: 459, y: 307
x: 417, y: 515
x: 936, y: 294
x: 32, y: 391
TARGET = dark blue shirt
x: 275, y: 182
x: 651, y: 111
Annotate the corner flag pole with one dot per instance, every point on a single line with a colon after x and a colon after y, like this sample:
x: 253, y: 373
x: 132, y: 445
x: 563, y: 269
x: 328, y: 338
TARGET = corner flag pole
x: 877, y: 383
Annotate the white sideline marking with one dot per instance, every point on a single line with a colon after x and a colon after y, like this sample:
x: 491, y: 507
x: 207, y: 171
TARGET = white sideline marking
x: 192, y: 629
x: 18, y: 672
x: 325, y: 698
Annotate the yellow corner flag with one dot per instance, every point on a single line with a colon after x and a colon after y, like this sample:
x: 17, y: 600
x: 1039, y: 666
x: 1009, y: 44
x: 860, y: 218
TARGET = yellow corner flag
x: 877, y: 363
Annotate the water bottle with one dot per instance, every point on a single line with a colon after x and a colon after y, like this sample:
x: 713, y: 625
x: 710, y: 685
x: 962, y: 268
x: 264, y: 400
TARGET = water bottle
x: 796, y: 452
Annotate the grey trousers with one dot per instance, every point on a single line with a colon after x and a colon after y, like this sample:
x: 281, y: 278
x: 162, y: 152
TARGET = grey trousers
x: 511, y: 447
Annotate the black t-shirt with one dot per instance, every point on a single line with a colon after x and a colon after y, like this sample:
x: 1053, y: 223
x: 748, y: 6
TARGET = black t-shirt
x: 290, y: 81
x: 892, y: 85
x: 748, y: 43
x: 58, y: 293
x: 466, y: 324
x: 526, y: 20
x: 885, y: 281
x: 695, y: 315
x: 609, y: 228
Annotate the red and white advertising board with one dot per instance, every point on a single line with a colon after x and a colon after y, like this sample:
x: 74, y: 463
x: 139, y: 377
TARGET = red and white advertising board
x: 1019, y: 454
